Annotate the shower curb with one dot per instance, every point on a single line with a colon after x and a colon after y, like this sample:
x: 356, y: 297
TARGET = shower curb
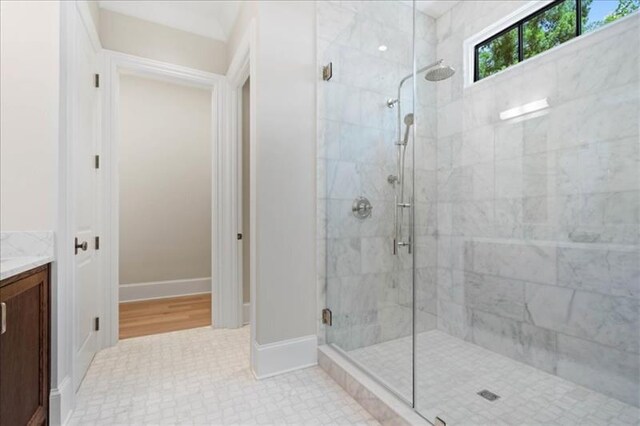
x: 383, y: 405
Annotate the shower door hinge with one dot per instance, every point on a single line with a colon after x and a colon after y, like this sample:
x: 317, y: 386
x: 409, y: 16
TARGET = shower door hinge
x: 327, y: 316
x: 96, y: 80
x: 96, y: 324
x: 327, y: 72
x: 97, y: 243
x: 96, y: 161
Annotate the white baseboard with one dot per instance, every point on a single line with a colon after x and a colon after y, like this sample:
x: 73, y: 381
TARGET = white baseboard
x: 61, y: 402
x: 246, y: 316
x: 161, y: 289
x: 287, y: 355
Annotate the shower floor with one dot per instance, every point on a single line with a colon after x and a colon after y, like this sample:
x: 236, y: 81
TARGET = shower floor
x: 450, y: 373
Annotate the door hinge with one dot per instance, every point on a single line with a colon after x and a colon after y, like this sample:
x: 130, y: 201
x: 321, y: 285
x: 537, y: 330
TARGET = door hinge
x: 97, y: 243
x: 327, y: 316
x: 97, y: 80
x: 96, y: 161
x: 239, y: 237
x: 96, y: 324
x: 327, y: 71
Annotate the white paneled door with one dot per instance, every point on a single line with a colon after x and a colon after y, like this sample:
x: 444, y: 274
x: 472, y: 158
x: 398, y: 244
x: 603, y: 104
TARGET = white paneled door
x: 86, y: 280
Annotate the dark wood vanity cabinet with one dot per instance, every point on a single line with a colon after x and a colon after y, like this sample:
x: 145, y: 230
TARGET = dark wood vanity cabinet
x: 24, y: 349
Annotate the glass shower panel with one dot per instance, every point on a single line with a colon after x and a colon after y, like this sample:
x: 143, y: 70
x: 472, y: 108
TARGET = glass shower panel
x: 534, y: 317
x: 362, y: 126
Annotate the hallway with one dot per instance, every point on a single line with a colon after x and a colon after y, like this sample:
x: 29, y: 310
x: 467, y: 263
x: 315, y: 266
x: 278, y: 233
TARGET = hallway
x: 201, y: 376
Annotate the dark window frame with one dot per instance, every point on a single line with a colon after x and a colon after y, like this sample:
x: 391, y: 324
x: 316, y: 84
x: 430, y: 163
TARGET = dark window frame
x: 520, y: 26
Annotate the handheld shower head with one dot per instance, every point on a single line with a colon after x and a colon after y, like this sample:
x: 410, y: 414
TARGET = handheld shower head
x: 408, y: 121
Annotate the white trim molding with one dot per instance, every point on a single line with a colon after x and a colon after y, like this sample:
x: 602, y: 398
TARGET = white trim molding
x: 61, y: 401
x: 223, y: 232
x: 246, y: 313
x: 281, y: 357
x: 161, y: 289
x: 243, y: 66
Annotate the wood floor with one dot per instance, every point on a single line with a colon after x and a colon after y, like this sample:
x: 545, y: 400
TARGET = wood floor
x: 164, y: 315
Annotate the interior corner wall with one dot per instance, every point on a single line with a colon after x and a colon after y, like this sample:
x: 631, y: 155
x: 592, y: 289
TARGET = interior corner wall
x: 285, y: 108
x: 29, y: 112
x: 146, y: 39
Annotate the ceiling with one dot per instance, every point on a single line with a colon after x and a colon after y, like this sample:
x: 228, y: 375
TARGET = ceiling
x: 213, y: 19
x: 435, y: 8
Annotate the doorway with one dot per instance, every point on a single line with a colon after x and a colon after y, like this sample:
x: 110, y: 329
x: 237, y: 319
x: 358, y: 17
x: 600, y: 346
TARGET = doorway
x: 164, y: 175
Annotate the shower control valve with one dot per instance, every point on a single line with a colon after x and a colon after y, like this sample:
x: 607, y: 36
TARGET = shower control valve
x: 361, y: 208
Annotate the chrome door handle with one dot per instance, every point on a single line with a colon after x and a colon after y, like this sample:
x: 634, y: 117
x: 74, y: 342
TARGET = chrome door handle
x: 83, y: 245
x: 3, y: 327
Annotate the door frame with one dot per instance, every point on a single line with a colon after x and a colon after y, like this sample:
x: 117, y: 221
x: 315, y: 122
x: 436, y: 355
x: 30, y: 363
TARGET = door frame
x: 223, y: 173
x: 241, y: 67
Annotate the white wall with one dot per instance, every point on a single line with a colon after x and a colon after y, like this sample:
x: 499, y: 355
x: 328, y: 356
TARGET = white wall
x: 285, y: 175
x: 30, y: 72
x: 165, y: 181
x: 154, y: 41
x: 285, y: 111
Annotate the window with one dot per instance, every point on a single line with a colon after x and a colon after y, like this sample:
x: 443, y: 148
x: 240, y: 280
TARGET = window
x: 544, y: 29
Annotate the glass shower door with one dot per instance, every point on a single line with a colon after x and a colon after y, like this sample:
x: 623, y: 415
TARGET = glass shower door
x: 367, y: 160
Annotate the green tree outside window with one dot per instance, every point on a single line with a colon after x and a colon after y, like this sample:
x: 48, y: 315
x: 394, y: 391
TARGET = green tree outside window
x: 546, y: 30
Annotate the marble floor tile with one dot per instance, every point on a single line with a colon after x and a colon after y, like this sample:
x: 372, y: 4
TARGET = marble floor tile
x: 450, y: 372
x: 202, y: 377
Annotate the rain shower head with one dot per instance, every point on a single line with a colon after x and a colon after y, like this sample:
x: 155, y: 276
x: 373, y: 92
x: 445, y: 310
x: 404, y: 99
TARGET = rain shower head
x: 439, y: 72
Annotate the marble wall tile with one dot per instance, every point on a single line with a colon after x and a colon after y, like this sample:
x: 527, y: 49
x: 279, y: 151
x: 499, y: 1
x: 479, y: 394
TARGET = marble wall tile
x: 605, y: 369
x: 515, y: 339
x: 337, y: 24
x: 451, y: 285
x: 565, y: 190
x: 473, y: 218
x: 612, y: 321
x: 376, y: 255
x: 344, y: 257
x: 343, y: 180
x: 454, y: 319
x: 607, y: 271
x: 495, y: 295
x: 519, y: 260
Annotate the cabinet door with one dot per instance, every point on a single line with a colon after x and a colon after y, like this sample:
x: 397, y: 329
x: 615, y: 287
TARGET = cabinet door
x: 24, y: 351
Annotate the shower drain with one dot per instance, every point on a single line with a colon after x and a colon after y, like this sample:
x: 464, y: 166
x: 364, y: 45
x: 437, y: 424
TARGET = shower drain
x: 488, y: 395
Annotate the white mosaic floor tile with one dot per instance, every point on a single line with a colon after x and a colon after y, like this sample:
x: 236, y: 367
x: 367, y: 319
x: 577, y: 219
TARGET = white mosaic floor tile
x: 450, y: 372
x: 202, y: 377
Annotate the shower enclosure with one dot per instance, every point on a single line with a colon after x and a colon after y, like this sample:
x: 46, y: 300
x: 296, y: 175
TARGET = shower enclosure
x: 479, y: 227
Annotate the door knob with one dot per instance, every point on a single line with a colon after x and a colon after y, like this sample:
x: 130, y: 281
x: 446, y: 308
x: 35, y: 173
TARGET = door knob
x: 83, y: 245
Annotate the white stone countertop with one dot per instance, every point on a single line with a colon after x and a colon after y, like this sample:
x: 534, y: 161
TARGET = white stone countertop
x: 11, y: 266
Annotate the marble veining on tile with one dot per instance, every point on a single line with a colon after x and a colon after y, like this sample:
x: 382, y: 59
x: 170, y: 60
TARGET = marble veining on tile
x: 22, y: 251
